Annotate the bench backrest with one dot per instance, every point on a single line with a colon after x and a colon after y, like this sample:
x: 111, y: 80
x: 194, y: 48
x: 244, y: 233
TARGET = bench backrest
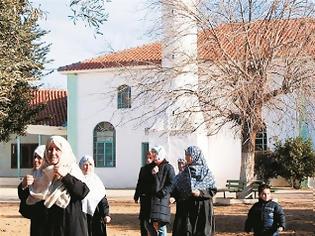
x: 235, y: 185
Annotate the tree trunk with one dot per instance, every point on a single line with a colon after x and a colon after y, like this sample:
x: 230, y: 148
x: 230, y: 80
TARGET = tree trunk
x: 247, y: 162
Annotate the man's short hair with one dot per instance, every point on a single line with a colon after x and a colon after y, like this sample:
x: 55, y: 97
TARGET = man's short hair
x: 262, y: 187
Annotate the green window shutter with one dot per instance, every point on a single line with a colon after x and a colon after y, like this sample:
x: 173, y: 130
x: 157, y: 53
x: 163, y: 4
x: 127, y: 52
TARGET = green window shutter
x: 144, y: 150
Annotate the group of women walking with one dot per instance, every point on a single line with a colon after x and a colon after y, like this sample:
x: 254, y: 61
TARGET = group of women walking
x: 60, y: 197
x: 192, y: 189
x: 63, y: 198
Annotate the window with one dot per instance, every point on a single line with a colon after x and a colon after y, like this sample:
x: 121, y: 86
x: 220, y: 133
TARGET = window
x: 261, y: 140
x: 124, y: 97
x: 104, y: 139
x: 26, y: 155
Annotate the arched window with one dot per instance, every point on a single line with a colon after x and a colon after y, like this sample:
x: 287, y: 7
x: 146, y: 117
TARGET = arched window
x: 124, y: 96
x: 104, y: 148
x: 261, y: 140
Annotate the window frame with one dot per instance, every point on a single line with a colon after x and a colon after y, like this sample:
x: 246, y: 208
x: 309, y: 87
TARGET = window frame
x: 105, y: 139
x: 123, y: 97
x: 261, y: 141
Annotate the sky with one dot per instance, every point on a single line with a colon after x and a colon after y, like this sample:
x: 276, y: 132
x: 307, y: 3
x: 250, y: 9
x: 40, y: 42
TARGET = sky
x: 126, y: 27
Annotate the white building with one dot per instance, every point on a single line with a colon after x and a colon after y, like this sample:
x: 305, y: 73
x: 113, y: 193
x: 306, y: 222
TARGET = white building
x: 16, y: 155
x: 101, y: 94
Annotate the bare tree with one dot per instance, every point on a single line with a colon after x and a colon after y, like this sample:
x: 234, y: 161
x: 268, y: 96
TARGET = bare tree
x: 252, y: 59
x: 224, y: 64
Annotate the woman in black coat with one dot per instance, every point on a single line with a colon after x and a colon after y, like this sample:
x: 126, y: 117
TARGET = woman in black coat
x: 62, y: 189
x: 37, y: 213
x: 95, y: 204
x: 163, y: 174
x: 144, y: 193
x: 193, y: 191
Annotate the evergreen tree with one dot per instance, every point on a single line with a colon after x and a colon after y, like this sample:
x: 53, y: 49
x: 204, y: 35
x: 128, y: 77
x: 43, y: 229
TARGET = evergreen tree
x: 22, y: 58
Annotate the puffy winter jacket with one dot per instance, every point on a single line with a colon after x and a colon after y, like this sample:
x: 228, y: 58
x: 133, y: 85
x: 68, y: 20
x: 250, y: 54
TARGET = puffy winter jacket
x: 265, y: 218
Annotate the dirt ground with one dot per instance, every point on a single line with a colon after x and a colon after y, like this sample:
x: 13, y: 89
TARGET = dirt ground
x: 229, y: 219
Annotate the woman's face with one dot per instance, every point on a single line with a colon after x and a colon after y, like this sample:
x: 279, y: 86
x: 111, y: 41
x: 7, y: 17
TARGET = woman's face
x: 188, y: 159
x: 149, y: 158
x: 37, y: 161
x: 87, y: 168
x: 181, y: 166
x: 54, y: 154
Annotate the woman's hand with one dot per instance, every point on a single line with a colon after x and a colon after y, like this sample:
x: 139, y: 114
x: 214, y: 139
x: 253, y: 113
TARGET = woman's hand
x: 27, y: 181
x: 195, y: 193
x: 155, y: 170
x: 107, y: 219
x: 172, y: 200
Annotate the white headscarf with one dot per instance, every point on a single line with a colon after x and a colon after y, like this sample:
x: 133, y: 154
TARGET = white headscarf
x: 96, y: 186
x: 160, y: 152
x: 40, y: 150
x: 46, y: 187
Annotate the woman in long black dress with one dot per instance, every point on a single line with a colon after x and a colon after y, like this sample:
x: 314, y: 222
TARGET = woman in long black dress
x: 62, y: 189
x: 95, y: 204
x: 37, y: 213
x: 193, y: 191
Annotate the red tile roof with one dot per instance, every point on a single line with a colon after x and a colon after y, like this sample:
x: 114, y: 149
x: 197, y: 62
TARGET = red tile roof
x: 264, y: 37
x: 55, y: 107
x: 144, y: 55
x: 232, y: 40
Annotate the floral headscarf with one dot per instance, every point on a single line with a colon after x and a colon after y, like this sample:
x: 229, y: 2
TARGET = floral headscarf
x: 201, y: 176
x: 195, y: 176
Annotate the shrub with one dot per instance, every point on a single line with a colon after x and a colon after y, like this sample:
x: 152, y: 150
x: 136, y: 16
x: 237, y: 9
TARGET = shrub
x: 295, y: 159
x: 265, y: 166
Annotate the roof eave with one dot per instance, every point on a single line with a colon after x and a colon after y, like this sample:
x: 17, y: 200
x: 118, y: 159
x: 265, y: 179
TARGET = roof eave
x: 109, y: 69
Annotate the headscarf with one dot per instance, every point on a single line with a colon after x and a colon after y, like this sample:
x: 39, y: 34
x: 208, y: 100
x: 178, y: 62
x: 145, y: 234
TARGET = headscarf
x: 96, y: 186
x: 40, y: 150
x: 195, y: 176
x: 47, y: 187
x: 160, y: 152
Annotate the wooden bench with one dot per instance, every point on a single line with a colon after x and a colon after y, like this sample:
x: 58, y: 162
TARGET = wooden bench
x: 232, y: 186
x: 238, y: 186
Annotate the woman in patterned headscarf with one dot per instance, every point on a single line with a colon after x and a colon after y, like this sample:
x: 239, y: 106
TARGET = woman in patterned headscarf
x: 193, y: 191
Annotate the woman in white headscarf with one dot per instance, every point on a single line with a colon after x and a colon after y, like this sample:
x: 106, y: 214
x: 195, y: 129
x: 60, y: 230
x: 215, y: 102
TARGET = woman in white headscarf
x: 62, y: 188
x: 163, y: 174
x: 37, y: 212
x: 95, y: 202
